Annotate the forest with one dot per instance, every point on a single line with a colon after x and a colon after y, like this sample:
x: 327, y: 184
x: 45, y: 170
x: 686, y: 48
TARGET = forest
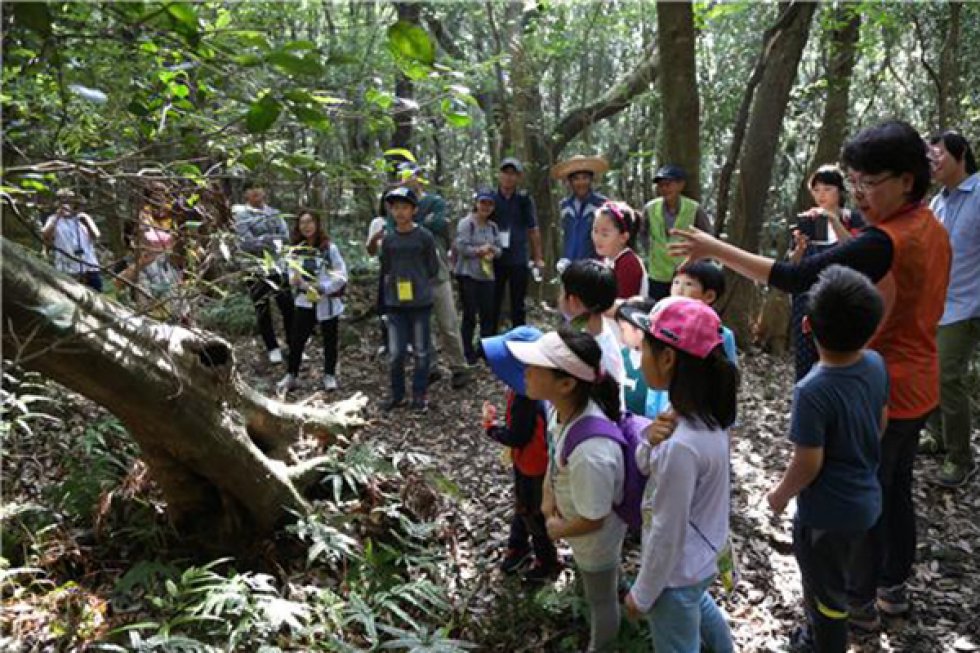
x: 162, y: 492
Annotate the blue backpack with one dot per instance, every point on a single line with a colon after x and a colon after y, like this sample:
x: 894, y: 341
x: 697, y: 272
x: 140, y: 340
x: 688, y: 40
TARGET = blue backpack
x: 628, y: 433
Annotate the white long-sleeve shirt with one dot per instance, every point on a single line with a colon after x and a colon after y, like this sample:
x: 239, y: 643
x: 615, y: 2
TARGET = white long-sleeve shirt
x: 330, y: 279
x: 688, y: 491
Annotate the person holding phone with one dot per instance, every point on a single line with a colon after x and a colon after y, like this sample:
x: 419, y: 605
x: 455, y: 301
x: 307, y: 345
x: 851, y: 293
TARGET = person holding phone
x: 261, y: 234
x: 826, y: 225
x: 72, y: 235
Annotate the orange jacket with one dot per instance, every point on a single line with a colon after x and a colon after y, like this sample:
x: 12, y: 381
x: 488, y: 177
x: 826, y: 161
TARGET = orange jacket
x: 915, y: 295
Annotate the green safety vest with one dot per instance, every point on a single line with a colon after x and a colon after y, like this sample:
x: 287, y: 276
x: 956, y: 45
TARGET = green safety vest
x: 661, y: 265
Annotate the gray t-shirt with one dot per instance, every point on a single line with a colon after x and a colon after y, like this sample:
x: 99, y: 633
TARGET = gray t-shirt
x: 409, y: 266
x: 470, y: 237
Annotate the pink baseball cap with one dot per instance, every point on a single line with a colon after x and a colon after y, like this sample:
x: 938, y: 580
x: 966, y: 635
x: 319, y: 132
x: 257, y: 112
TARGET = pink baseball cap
x: 683, y: 323
x: 551, y: 351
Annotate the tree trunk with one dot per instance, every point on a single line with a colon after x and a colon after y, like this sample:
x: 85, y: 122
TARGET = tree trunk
x: 769, y: 38
x: 755, y: 165
x: 218, y: 450
x: 947, y: 100
x: 840, y: 66
x: 681, y: 144
x: 404, y: 109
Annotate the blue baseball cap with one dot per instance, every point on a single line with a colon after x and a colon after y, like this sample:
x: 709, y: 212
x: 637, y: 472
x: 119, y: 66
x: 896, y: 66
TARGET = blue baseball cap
x: 402, y: 194
x: 484, y: 194
x: 502, y: 363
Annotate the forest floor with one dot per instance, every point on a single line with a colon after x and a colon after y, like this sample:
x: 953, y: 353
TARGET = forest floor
x: 500, y: 614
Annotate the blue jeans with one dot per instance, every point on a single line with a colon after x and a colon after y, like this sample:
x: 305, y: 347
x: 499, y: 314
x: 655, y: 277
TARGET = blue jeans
x: 684, y: 617
x: 409, y: 325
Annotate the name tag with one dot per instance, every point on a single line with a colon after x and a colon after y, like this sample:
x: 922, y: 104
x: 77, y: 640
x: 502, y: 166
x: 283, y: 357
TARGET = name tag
x: 404, y: 287
x: 505, y: 239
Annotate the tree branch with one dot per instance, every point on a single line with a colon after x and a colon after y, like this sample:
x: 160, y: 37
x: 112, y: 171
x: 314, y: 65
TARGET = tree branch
x: 617, y: 98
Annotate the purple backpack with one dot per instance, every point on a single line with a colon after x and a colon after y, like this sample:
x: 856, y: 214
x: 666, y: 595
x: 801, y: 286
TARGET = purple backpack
x: 628, y: 433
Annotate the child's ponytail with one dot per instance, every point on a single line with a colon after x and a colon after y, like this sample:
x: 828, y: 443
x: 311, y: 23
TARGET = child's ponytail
x: 604, y: 391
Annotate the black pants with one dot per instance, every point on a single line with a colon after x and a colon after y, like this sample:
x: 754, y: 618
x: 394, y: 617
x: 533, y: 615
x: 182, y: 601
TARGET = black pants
x: 91, y: 279
x: 884, y: 557
x: 824, y: 558
x: 528, y: 520
x: 259, y: 290
x: 477, y: 298
x: 304, y: 321
x: 513, y: 278
x: 804, y: 349
x: 658, y: 289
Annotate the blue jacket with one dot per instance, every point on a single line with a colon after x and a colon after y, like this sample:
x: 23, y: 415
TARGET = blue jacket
x: 576, y: 226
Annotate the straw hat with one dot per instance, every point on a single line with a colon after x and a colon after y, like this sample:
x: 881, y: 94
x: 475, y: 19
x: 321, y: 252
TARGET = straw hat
x: 578, y: 163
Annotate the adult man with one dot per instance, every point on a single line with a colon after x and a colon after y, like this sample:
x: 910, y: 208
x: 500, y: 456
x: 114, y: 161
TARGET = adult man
x: 517, y: 221
x: 72, y: 235
x: 958, y: 207
x: 668, y: 211
x: 431, y: 214
x: 261, y: 231
x: 578, y: 209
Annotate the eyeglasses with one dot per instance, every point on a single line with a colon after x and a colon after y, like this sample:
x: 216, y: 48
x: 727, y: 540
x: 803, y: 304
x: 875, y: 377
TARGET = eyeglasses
x: 864, y: 185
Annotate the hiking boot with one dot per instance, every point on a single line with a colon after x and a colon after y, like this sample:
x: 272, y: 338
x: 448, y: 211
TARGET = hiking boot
x: 329, y: 382
x: 275, y: 356
x: 435, y: 375
x: 930, y: 445
x: 864, y: 619
x: 893, y: 601
x: 541, y: 572
x: 514, y: 560
x: 953, y: 475
x: 420, y: 404
x: 459, y: 379
x: 391, y: 403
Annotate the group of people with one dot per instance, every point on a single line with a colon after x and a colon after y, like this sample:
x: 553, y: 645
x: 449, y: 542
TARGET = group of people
x: 621, y: 417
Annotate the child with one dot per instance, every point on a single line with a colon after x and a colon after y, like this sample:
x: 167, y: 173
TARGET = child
x: 588, y: 289
x: 409, y: 266
x: 705, y: 282
x: 318, y: 276
x: 524, y: 432
x: 580, y: 492
x: 634, y: 385
x: 838, y: 417
x: 477, y: 245
x: 614, y: 236
x: 685, y: 521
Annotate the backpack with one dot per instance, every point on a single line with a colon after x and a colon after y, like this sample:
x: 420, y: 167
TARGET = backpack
x: 628, y: 433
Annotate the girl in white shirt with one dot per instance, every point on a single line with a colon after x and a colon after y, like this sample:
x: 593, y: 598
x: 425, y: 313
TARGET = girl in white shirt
x: 579, y: 493
x: 687, y: 499
x: 318, y: 276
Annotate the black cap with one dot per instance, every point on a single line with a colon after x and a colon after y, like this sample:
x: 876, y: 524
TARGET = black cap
x: 670, y: 172
x: 512, y: 162
x: 402, y: 193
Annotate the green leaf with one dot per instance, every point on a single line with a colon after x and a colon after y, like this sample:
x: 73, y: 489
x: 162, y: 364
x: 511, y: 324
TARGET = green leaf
x: 179, y: 90
x: 185, y: 13
x: 34, y: 16
x: 380, y: 98
x: 455, y: 113
x: 312, y: 118
x: 411, y: 42
x: 247, y: 59
x: 299, y: 45
x: 262, y: 114
x: 294, y: 65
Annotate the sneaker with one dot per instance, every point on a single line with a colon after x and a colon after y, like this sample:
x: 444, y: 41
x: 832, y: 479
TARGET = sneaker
x: 953, y: 475
x: 541, y: 572
x: 864, y: 619
x: 286, y: 384
x: 893, y: 601
x: 420, y: 404
x: 329, y: 382
x: 514, y: 560
x: 275, y: 356
x: 930, y: 445
x: 389, y: 404
x: 459, y: 379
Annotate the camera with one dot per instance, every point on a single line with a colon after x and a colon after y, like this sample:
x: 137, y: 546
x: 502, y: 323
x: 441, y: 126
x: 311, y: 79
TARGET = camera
x: 816, y: 229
